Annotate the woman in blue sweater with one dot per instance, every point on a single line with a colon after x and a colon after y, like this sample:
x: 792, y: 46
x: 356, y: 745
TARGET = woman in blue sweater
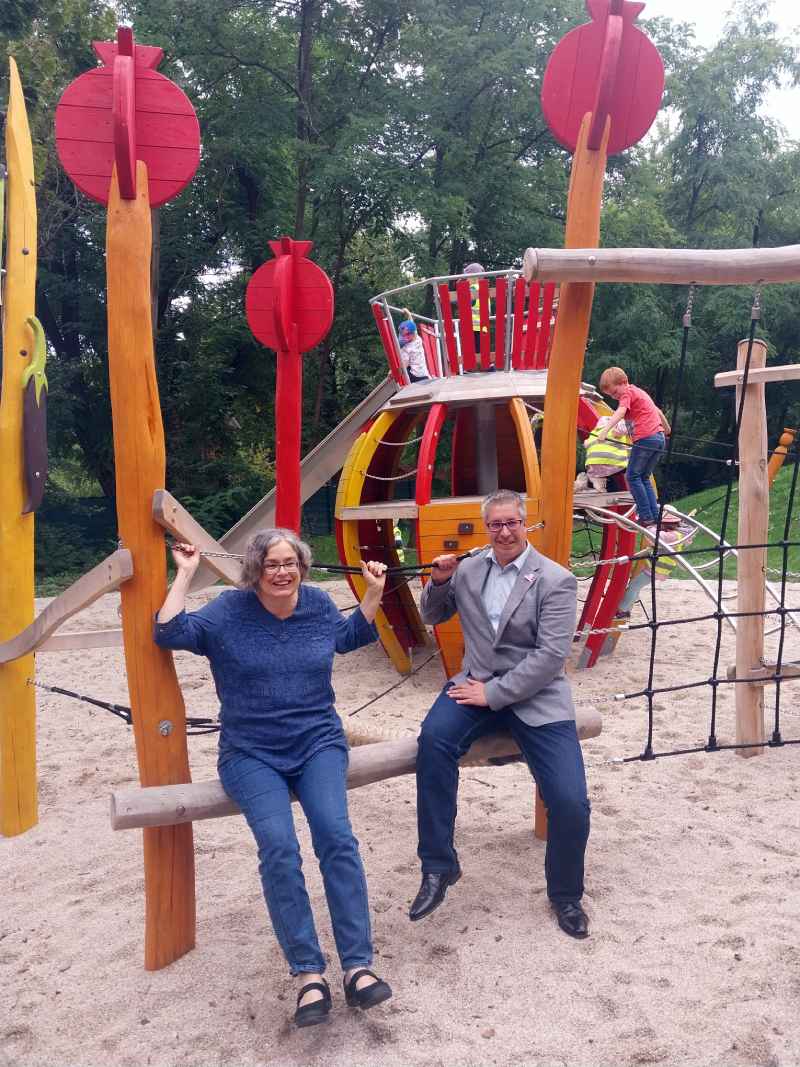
x: 271, y: 645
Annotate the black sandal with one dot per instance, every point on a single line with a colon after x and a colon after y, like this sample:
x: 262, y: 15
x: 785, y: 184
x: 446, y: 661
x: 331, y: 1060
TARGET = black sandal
x: 317, y: 1010
x: 369, y: 995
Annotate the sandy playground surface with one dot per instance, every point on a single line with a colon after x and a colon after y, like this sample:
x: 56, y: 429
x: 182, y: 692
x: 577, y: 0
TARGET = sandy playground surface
x: 693, y: 888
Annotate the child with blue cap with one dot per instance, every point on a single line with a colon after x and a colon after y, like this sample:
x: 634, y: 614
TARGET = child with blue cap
x: 412, y: 354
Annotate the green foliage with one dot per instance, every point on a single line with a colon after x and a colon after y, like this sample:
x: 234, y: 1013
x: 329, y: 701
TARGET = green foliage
x: 404, y: 137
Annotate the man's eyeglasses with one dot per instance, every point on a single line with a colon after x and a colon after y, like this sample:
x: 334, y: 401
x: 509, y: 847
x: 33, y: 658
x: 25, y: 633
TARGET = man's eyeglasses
x: 271, y: 567
x: 496, y: 525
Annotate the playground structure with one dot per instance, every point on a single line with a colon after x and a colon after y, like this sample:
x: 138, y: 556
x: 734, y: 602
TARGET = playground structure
x: 495, y: 407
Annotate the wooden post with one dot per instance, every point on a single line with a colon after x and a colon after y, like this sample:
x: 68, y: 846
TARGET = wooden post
x: 753, y: 529
x: 559, y: 432
x: 159, y: 717
x: 776, y: 460
x: 18, y: 804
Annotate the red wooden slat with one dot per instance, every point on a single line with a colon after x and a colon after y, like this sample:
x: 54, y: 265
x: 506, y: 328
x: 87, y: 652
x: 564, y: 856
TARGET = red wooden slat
x: 427, y: 452
x: 465, y: 324
x: 449, y: 329
x: 625, y: 544
x: 532, y: 326
x: 429, y: 346
x: 152, y: 131
x: 598, y: 587
x: 519, y: 313
x: 483, y: 311
x: 500, y: 299
x: 387, y: 339
x: 543, y: 341
x: 587, y: 416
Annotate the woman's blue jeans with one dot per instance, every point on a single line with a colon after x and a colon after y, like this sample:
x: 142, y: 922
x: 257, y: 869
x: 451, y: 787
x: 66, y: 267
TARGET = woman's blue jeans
x: 264, y: 797
x: 644, y: 456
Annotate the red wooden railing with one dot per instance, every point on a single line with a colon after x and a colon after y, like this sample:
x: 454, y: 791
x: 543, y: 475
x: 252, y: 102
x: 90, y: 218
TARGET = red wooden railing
x: 500, y: 322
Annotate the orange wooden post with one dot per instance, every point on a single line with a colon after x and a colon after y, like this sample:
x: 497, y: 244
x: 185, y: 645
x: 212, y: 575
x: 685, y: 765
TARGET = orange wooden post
x: 559, y: 433
x: 159, y: 718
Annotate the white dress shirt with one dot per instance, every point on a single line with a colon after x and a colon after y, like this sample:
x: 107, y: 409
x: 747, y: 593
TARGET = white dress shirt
x: 499, y: 583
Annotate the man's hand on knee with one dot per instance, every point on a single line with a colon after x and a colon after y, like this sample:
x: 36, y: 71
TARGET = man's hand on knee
x: 470, y: 692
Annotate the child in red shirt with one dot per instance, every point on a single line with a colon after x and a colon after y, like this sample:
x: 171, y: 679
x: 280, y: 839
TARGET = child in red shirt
x: 647, y: 427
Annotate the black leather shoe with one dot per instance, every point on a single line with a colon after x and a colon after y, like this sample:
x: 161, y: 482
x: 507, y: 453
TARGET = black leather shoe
x: 431, y: 893
x: 316, y: 1011
x: 369, y: 995
x: 572, y: 919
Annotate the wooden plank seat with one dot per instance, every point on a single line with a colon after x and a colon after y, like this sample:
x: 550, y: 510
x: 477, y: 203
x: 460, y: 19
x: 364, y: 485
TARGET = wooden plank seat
x: 169, y: 805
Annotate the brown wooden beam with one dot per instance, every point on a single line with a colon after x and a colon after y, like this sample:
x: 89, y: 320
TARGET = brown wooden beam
x: 104, y: 578
x: 663, y: 266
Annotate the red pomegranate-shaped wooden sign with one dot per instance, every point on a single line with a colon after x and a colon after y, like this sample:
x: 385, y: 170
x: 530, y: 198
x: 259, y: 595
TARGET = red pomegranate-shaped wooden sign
x: 609, y: 67
x: 289, y: 293
x: 122, y: 112
x: 289, y: 306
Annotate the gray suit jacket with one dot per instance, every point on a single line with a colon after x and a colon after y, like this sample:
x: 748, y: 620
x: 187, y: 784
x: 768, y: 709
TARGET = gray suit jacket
x: 523, y: 663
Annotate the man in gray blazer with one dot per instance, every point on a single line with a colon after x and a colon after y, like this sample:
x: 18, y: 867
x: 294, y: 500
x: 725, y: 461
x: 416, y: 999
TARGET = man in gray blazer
x: 517, y: 612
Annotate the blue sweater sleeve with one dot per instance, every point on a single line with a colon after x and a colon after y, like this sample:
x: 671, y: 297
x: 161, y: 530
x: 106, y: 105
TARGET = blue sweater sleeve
x: 352, y: 631
x: 192, y: 631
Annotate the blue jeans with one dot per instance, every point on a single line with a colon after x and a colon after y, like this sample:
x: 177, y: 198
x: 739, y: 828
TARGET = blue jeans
x: 553, y: 754
x: 264, y: 797
x: 644, y: 456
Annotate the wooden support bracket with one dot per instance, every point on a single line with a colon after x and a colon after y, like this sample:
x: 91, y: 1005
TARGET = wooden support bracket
x: 173, y: 804
x: 167, y: 512
x: 766, y: 675
x: 758, y: 376
x: 104, y: 578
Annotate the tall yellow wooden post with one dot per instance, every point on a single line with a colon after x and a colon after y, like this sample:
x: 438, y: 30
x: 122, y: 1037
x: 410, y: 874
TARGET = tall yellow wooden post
x: 159, y: 717
x: 18, y: 806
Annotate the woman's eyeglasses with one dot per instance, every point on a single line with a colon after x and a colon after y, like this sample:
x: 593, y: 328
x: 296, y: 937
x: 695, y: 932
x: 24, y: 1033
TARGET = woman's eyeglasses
x: 496, y: 525
x: 271, y: 567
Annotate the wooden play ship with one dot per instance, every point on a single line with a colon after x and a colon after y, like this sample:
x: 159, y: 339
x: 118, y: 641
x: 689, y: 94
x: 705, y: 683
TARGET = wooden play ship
x: 471, y: 428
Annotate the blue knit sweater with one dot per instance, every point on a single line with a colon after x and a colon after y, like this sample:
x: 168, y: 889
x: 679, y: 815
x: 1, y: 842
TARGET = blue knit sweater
x: 273, y: 676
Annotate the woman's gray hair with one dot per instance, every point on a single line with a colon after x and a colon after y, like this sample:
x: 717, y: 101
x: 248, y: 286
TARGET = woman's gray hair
x: 258, y: 546
x: 504, y: 496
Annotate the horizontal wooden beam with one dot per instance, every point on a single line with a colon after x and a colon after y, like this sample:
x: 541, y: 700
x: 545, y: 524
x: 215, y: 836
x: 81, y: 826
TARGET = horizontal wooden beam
x: 82, y: 639
x: 664, y: 266
x: 171, y: 804
x: 167, y: 512
x: 758, y: 375
x: 104, y: 578
x: 766, y: 675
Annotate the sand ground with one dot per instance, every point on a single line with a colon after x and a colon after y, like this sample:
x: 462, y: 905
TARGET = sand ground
x: 693, y: 887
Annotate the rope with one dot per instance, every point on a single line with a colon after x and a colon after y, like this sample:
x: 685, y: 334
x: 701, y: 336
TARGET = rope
x: 401, y: 444
x: 392, y: 478
x: 122, y: 711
